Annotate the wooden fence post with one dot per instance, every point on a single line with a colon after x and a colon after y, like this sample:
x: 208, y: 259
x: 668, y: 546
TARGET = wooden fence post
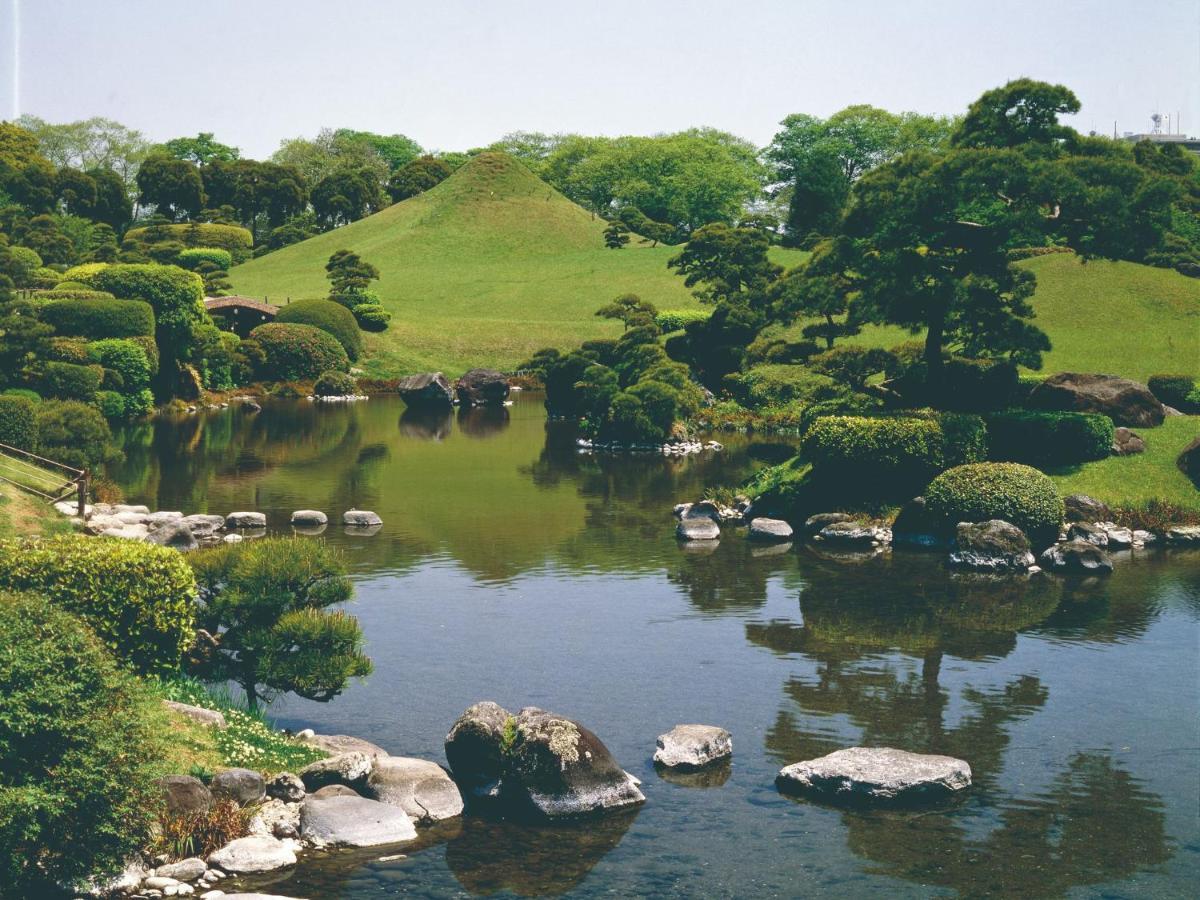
x: 83, y: 486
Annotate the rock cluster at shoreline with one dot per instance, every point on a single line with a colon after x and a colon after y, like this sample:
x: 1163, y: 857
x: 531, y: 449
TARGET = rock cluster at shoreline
x: 670, y: 448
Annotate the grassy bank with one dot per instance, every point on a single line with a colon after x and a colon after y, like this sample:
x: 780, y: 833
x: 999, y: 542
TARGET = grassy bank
x: 23, y: 514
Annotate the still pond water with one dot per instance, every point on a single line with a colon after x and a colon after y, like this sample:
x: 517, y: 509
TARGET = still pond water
x: 511, y: 568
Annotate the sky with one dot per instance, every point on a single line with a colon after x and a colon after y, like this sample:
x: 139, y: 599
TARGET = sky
x: 456, y: 74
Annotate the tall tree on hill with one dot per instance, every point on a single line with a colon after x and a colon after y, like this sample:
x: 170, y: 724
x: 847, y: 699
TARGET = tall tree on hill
x: 172, y: 186
x: 349, y: 273
x: 395, y: 149
x: 345, y: 196
x: 417, y: 176
x: 616, y: 235
x: 95, y: 143
x: 1023, y: 112
x: 201, y: 149
x: 262, y: 194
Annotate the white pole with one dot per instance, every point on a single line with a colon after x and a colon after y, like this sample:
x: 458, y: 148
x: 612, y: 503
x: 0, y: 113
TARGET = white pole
x: 16, y: 48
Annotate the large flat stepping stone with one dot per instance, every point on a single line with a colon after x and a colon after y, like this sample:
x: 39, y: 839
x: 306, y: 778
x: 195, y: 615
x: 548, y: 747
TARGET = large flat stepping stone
x: 341, y: 743
x: 246, y: 520
x: 419, y: 787
x: 877, y: 775
x: 351, y: 768
x: 691, y: 747
x: 361, y: 518
x: 769, y: 530
x: 256, y: 853
x: 309, y: 518
x: 698, y: 529
x: 353, y: 822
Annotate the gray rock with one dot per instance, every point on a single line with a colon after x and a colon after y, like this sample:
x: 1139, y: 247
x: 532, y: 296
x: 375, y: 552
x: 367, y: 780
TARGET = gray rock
x: 1183, y: 535
x: 419, y: 787
x: 690, y: 747
x: 185, y: 795
x: 482, y: 387
x: 350, y: 769
x: 1078, y: 557
x: 849, y: 534
x: 309, y: 517
x: 246, y: 520
x: 1126, y: 402
x: 254, y: 853
x: 1126, y: 443
x: 173, y: 534
x: 335, y: 790
x: 703, y: 509
x: 203, y: 526
x: 276, y: 818
x: 769, y: 530
x: 286, y: 787
x: 679, y: 511
x: 426, y: 389
x: 184, y: 870
x: 162, y: 518
x: 210, y: 717
x: 353, y: 822
x: 1084, y: 531
x: 1188, y: 461
x: 342, y: 743
x: 697, y: 529
x: 877, y: 775
x: 251, y: 896
x: 244, y: 786
x: 360, y: 518
x: 1082, y: 508
x: 993, y: 546
x: 131, y: 508
x: 814, y: 524
x: 127, y: 532
x: 160, y: 882
x: 473, y: 748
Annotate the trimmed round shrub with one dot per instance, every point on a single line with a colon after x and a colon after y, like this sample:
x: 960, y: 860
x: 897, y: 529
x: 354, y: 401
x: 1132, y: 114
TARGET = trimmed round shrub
x: 23, y: 263
x: 676, y: 319
x: 997, y: 490
x: 30, y: 395
x: 1173, y: 390
x: 876, y: 446
x: 126, y: 358
x: 335, y: 384
x: 139, y: 598
x: 80, y: 744
x: 360, y: 297
x: 44, y: 278
x: 371, y: 318
x: 62, y: 292
x: 74, y: 433
x: 68, y: 286
x: 111, y: 404
x: 237, y: 240
x: 99, y: 317
x: 69, y: 381
x: 296, y: 352
x: 218, y: 256
x: 1049, y: 438
x: 68, y: 349
x: 329, y: 317
x: 18, y: 422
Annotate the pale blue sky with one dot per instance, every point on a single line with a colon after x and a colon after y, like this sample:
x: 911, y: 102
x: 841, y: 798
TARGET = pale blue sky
x: 459, y: 73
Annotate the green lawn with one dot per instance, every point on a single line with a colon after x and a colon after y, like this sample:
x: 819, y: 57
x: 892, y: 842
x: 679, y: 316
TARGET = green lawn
x: 484, y: 269
x: 1133, y: 480
x: 22, y: 514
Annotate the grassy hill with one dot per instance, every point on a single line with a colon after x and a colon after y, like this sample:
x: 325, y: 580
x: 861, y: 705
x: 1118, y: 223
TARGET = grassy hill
x: 487, y: 267
x: 493, y: 264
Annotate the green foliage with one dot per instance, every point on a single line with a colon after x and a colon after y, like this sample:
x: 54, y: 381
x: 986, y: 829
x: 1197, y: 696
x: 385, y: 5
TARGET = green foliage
x: 891, y: 447
x: 417, y: 176
x: 201, y: 149
x: 616, y: 235
x: 1024, y: 111
x: 233, y: 238
x: 67, y: 349
x: 192, y: 257
x: 1015, y: 493
x: 296, y: 352
x: 346, y: 195
x: 335, y: 384
x: 853, y: 366
x: 371, y: 317
x: 68, y: 381
x: 23, y: 263
x: 74, y: 433
x: 70, y: 290
x: 1049, y: 438
x: 348, y: 272
x: 18, y: 422
x: 79, y: 745
x: 173, y: 186
x: 670, y: 320
x: 769, y: 385
x: 1175, y: 390
x: 139, y: 598
x: 965, y: 439
x: 268, y: 601
x: 629, y: 309
x: 126, y: 358
x: 330, y: 317
x: 111, y: 405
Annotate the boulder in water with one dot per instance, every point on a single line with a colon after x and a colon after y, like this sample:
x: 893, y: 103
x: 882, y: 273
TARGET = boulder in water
x: 482, y: 387
x: 878, y: 775
x: 1076, y: 557
x: 691, y: 747
x: 769, y: 530
x: 353, y: 822
x: 419, y: 787
x: 426, y: 389
x: 992, y: 546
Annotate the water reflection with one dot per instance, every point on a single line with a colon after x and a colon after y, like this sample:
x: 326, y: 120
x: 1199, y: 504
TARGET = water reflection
x: 483, y: 421
x: 426, y: 423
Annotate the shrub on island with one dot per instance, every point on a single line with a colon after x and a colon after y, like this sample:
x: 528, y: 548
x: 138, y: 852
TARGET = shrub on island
x: 1049, y: 438
x: 79, y: 747
x: 139, y: 598
x: 1013, y: 492
x: 335, y: 384
x: 295, y: 352
x: 330, y: 317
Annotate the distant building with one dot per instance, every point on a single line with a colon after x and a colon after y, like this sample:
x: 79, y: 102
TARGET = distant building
x: 1189, y: 143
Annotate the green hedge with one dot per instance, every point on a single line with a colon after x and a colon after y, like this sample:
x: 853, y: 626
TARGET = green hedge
x: 774, y: 384
x: 329, y: 317
x: 1049, y: 438
x: 74, y: 433
x: 218, y: 256
x: 67, y: 349
x: 139, y: 598
x: 876, y: 446
x: 18, y: 422
x: 233, y: 238
x: 335, y: 384
x: 981, y: 491
x: 126, y: 358
x: 68, y: 381
x: 1175, y: 390
x: 371, y: 318
x: 299, y: 352
x: 97, y: 318
x: 61, y: 293
x: 677, y: 319
x: 81, y: 743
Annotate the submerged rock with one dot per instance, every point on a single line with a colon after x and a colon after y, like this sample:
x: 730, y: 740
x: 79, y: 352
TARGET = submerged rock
x: 877, y: 775
x: 814, y: 524
x: 353, y: 822
x: 853, y: 534
x: 419, y: 787
x: 1078, y: 557
x: 993, y: 546
x: 689, y: 747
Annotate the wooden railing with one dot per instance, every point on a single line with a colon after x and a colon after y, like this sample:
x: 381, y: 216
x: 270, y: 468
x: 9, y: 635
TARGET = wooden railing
x: 51, y: 481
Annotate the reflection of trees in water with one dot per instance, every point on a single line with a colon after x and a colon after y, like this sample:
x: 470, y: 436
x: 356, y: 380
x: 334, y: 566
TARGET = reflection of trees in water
x: 877, y: 632
x: 482, y: 421
x: 734, y: 574
x: 532, y: 861
x: 1095, y: 823
x: 426, y: 423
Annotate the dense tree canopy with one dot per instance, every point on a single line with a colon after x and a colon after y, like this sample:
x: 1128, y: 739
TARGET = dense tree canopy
x: 1022, y: 112
x: 201, y: 149
x: 417, y: 176
x: 95, y: 143
x: 172, y: 186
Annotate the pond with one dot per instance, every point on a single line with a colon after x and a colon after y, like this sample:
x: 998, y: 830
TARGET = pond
x: 510, y: 567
